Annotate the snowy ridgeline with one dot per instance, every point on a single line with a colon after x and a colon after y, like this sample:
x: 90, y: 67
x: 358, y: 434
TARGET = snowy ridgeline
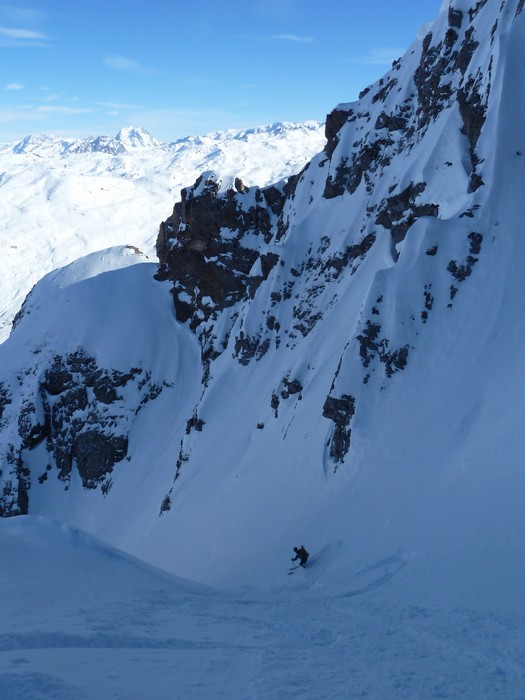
x: 333, y: 360
x: 62, y: 199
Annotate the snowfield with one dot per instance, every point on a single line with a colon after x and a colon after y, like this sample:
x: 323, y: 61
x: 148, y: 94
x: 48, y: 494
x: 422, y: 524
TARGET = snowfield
x: 85, y: 622
x: 335, y: 362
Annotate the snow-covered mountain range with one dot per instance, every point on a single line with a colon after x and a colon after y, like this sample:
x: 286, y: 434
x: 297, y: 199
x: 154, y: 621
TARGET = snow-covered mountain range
x: 332, y: 359
x: 64, y: 198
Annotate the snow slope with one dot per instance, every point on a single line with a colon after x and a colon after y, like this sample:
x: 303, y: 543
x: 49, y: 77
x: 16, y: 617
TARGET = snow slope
x: 342, y: 368
x: 82, y: 621
x: 62, y: 199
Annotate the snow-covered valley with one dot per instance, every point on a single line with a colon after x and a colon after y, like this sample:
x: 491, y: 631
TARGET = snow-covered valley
x: 331, y: 357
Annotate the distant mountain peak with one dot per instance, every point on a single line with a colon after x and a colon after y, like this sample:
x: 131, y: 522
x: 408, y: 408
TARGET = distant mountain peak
x: 136, y: 137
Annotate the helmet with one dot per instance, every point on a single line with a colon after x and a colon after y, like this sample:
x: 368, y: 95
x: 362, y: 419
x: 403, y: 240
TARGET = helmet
x: 295, y: 549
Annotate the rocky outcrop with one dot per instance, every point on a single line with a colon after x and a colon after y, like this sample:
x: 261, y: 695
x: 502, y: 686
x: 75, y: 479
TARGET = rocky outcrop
x: 214, y: 248
x: 77, y: 411
x: 399, y: 212
x: 340, y: 410
x: 334, y: 122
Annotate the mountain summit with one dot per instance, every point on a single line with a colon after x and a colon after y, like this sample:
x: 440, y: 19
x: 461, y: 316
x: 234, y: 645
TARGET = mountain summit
x: 334, y: 359
x: 132, y: 137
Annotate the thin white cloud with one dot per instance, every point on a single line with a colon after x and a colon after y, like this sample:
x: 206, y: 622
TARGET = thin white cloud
x: 62, y: 109
x: 291, y: 37
x: 127, y: 65
x: 21, y: 15
x: 295, y: 38
x: 13, y: 36
x: 116, y: 105
x: 23, y: 34
x: 14, y: 86
x: 52, y: 98
x: 377, y: 57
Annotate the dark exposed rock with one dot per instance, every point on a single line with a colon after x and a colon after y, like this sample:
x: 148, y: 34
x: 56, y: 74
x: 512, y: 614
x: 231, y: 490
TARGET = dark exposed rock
x: 432, y: 251
x: 433, y: 92
x: 340, y: 410
x: 334, y: 121
x: 14, y: 499
x: 450, y: 38
x: 429, y: 299
x: 291, y: 388
x: 96, y: 454
x: 391, y: 122
x: 79, y: 362
x: 455, y: 17
x: 57, y: 378
x: 368, y: 345
x: 274, y: 198
x: 399, y: 212
x: 5, y: 399
x: 460, y: 271
x: 212, y: 272
x: 474, y: 10
x: 475, y: 182
x: 364, y: 162
x: 395, y: 361
x: 240, y: 186
x: 384, y: 91
x: 69, y: 412
x: 24, y: 483
x: 371, y: 346
x: 165, y: 505
x: 335, y: 186
x: 194, y: 423
x: 520, y: 7
x: 475, y: 240
x: 30, y: 430
x: 104, y: 390
x: 466, y: 51
x: 472, y: 109
x: 248, y: 347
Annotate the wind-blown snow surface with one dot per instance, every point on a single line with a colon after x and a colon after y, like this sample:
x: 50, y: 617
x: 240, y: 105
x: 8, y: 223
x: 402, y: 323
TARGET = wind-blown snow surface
x: 80, y: 621
x: 61, y: 199
x: 367, y: 402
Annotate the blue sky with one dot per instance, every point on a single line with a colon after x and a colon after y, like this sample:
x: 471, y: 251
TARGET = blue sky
x: 179, y: 68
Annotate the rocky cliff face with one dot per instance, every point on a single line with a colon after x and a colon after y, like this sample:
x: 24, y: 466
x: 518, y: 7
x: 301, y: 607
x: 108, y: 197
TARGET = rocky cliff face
x: 311, y: 300
x: 257, y: 270
x: 218, y: 247
x: 66, y: 414
x: 216, y: 250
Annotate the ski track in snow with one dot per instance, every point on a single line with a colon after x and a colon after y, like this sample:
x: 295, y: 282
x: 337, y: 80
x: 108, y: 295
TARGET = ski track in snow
x: 81, y: 621
x: 418, y: 593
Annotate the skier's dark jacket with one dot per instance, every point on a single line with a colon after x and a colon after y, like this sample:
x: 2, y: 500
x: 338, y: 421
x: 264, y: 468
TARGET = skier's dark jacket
x: 301, y: 554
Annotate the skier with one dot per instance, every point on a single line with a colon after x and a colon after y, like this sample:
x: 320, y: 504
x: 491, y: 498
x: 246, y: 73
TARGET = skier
x: 302, y: 554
